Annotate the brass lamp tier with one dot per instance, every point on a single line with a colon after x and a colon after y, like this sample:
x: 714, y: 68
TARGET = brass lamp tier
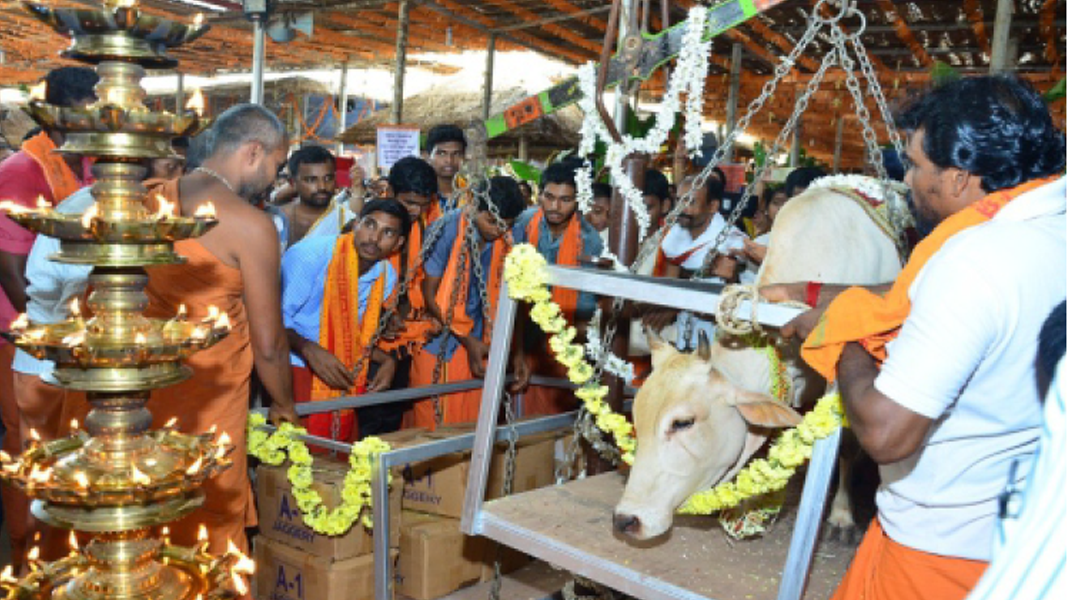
x: 129, y: 567
x: 117, y: 33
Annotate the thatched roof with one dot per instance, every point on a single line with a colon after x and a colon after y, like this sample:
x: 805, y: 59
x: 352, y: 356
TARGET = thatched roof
x: 441, y: 104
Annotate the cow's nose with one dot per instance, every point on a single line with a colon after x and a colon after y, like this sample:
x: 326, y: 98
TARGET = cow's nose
x: 628, y: 524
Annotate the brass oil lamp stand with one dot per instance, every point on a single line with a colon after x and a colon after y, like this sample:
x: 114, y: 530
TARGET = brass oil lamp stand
x: 118, y: 479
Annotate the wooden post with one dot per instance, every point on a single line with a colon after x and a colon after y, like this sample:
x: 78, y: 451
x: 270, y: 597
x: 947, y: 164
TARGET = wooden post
x: 999, y: 59
x: 179, y: 93
x: 838, y: 135
x: 524, y: 147
x: 487, y: 90
x: 397, y: 110
x: 794, y: 153
x: 259, y: 58
x: 342, y: 106
x: 735, y: 92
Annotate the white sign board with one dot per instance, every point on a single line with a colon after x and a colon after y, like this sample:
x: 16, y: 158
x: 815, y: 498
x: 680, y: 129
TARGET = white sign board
x: 396, y: 142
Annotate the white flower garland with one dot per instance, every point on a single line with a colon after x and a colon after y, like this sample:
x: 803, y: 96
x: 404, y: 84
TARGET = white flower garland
x: 689, y: 75
x: 594, y: 347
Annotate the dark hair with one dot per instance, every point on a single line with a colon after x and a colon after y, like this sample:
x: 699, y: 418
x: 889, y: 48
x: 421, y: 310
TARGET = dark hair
x: 563, y: 172
x: 526, y: 184
x: 1051, y: 345
x: 389, y: 206
x: 656, y: 185
x: 32, y: 133
x: 442, y: 134
x: 721, y: 175
x: 412, y: 174
x: 68, y: 86
x: 995, y: 127
x: 716, y: 189
x: 601, y: 190
x: 310, y: 155
x: 801, y: 178
x: 182, y: 142
x: 504, y: 192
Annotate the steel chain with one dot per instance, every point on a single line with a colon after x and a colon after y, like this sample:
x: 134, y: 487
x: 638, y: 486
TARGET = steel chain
x: 508, y: 485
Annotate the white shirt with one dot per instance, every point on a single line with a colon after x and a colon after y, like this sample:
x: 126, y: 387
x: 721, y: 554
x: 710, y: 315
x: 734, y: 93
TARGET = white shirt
x: 965, y: 358
x: 52, y: 284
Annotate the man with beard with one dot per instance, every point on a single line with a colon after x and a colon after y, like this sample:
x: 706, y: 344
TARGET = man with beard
x: 333, y: 292
x: 447, y: 146
x: 562, y: 236
x: 313, y: 173
x: 233, y: 268
x: 937, y: 372
x: 466, y: 348
x: 686, y: 248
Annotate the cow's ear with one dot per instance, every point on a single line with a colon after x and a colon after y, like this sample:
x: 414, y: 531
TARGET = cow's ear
x: 763, y: 411
x: 661, y: 350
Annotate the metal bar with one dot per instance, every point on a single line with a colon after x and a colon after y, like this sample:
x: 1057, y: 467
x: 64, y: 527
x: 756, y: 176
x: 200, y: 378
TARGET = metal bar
x: 794, y: 151
x: 809, y: 518
x: 487, y: 90
x: 396, y: 112
x: 838, y: 135
x: 342, y: 106
x: 482, y: 452
x: 259, y: 58
x: 695, y: 296
x: 179, y: 93
x: 998, y: 62
x: 556, y: 19
x: 735, y: 92
x: 383, y: 586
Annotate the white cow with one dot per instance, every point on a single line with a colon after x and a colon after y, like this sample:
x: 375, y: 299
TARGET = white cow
x: 699, y: 418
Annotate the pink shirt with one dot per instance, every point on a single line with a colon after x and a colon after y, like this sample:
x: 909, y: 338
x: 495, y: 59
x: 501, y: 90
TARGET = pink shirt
x: 21, y: 180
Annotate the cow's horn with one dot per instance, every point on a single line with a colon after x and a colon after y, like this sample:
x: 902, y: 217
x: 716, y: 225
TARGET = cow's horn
x: 703, y: 345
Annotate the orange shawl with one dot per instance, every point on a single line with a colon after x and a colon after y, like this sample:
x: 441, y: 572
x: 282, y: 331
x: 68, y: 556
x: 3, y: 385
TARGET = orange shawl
x: 415, y: 326
x: 570, y: 249
x: 858, y: 315
x: 61, y: 179
x: 340, y: 320
x: 462, y: 323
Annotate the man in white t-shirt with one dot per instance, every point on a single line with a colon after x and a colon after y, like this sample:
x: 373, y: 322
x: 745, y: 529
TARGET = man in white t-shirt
x: 956, y: 402
x: 686, y: 247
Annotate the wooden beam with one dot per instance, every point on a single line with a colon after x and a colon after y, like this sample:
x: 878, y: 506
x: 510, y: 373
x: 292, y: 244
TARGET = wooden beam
x: 1047, y: 30
x: 904, y: 33
x: 556, y: 30
x: 761, y: 29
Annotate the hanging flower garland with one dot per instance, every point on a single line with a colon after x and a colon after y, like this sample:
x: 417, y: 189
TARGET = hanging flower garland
x: 594, y: 348
x: 525, y: 271
x: 689, y: 75
x: 274, y: 448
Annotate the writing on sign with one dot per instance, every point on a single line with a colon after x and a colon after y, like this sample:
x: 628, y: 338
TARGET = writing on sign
x: 396, y: 142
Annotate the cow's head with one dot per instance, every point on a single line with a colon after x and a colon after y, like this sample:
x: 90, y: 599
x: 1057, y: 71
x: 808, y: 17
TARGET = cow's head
x: 695, y: 428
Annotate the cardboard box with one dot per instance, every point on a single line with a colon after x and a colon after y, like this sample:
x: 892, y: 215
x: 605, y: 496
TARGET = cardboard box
x: 438, y: 485
x: 280, y: 519
x: 284, y: 573
x: 435, y: 557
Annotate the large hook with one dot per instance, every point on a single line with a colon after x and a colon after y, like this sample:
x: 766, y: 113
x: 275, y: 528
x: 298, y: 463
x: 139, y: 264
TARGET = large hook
x: 847, y: 7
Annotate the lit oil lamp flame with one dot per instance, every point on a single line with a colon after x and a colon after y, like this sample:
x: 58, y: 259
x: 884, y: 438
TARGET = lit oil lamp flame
x: 34, y: 554
x: 89, y: 215
x: 201, y: 533
x: 36, y: 335
x: 72, y: 541
x: 6, y: 576
x: 75, y: 308
x: 244, y: 565
x: 138, y: 476
x: 173, y: 420
x: 43, y: 204
x: 4, y: 457
x: 198, y: 20
x: 239, y: 584
x: 182, y: 312
x: 39, y: 91
x: 212, y: 313
x: 21, y: 322
x: 195, y: 467
x: 115, y: 96
x: 223, y: 446
x: 34, y: 435
x: 223, y: 322
x: 205, y: 211
x: 13, y: 208
x: 166, y: 209
x: 81, y: 479
x: 140, y: 339
x: 74, y: 340
x: 74, y: 425
x: 199, y: 334
x: 196, y: 103
x: 211, y: 430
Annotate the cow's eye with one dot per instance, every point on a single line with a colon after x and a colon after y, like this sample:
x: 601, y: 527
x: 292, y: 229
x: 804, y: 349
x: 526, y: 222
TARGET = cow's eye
x: 682, y: 424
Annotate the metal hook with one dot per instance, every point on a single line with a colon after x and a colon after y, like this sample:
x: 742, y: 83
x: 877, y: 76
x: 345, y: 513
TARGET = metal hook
x: 845, y: 9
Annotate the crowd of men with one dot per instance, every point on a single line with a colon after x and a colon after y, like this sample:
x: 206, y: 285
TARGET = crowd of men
x: 392, y: 283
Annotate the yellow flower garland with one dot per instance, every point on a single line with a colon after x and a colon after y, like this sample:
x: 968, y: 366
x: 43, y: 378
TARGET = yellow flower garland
x: 274, y: 448
x: 526, y: 275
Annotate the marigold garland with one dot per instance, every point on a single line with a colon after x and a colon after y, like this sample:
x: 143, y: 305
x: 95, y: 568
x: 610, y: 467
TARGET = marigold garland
x: 525, y: 271
x: 274, y: 448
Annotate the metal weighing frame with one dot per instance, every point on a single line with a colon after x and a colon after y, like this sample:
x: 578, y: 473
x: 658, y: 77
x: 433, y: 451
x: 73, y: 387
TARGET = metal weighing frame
x: 697, y: 297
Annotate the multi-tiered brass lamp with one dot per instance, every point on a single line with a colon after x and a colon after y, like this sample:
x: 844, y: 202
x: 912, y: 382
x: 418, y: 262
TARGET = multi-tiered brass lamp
x: 117, y: 479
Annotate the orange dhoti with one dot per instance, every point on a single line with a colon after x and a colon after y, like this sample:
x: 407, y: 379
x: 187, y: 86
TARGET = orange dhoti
x: 885, y: 570
x: 48, y: 410
x: 460, y: 407
x: 16, y: 504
